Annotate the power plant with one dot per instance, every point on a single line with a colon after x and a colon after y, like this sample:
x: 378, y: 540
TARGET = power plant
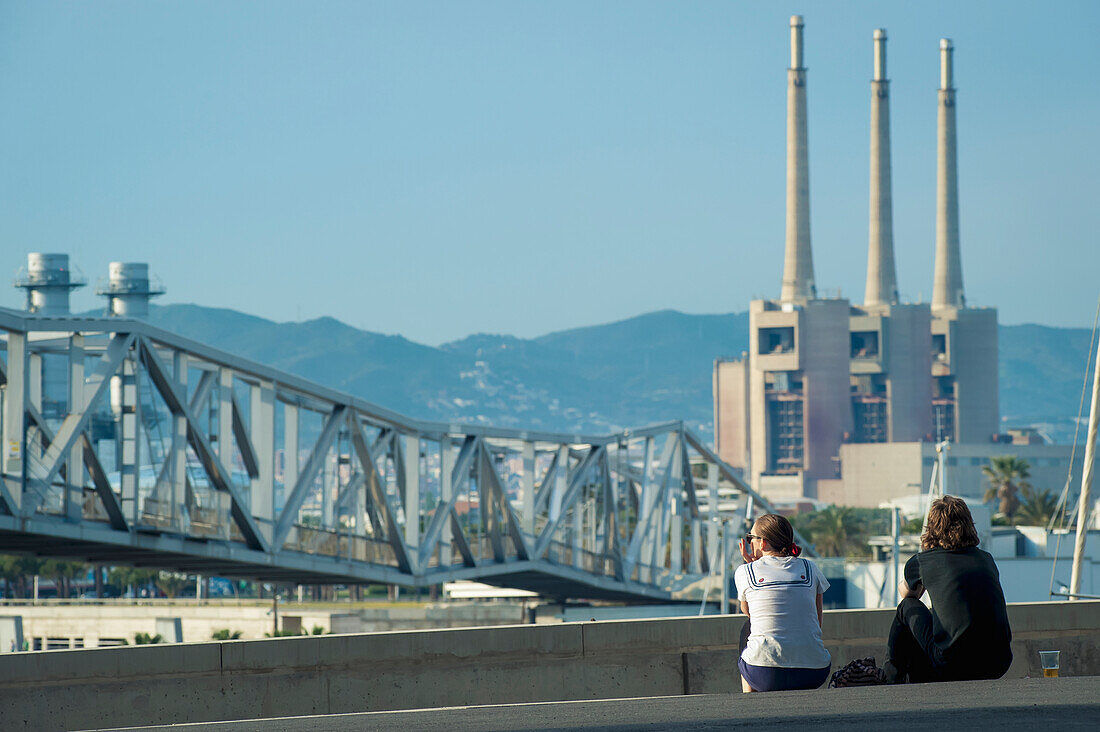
x: 48, y: 280
x: 844, y: 403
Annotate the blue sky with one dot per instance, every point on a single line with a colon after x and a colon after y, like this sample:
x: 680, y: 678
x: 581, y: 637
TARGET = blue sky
x: 436, y: 169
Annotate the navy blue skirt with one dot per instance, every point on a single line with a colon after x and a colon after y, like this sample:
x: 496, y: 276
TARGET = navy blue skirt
x: 773, y: 678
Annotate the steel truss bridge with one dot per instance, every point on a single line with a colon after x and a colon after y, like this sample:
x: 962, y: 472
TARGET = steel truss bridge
x: 126, y: 444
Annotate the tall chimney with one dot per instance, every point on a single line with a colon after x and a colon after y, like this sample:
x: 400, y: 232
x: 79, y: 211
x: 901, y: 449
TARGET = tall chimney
x: 882, y: 281
x: 798, y: 264
x: 947, y: 289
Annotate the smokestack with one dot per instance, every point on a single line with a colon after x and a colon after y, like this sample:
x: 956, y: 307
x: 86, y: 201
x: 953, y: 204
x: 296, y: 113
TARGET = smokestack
x: 48, y: 280
x: 798, y: 264
x: 128, y: 289
x: 882, y: 281
x: 947, y: 290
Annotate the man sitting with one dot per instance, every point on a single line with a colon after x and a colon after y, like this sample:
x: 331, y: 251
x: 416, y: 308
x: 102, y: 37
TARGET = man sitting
x: 966, y: 634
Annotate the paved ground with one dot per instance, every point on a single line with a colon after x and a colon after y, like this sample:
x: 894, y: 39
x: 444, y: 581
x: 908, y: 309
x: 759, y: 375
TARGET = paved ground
x: 1061, y: 704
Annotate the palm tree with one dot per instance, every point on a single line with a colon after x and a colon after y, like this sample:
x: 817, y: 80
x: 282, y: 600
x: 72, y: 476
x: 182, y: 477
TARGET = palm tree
x: 834, y: 530
x: 1037, y: 508
x: 1007, y: 474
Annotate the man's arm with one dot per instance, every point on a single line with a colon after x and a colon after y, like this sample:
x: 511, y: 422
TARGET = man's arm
x: 911, y: 583
x: 904, y: 590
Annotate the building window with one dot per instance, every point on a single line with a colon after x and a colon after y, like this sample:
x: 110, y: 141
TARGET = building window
x: 864, y: 344
x: 939, y: 347
x: 943, y: 419
x: 776, y: 340
x: 869, y: 418
x: 786, y: 433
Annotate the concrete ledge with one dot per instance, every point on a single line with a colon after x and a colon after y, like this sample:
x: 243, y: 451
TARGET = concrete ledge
x: 1067, y: 704
x: 422, y: 669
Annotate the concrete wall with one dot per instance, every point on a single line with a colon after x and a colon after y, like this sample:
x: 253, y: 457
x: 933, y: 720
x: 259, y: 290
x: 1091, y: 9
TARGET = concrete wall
x: 89, y: 625
x: 878, y: 472
x: 908, y: 349
x: 334, y: 674
x: 731, y: 411
x: 825, y: 348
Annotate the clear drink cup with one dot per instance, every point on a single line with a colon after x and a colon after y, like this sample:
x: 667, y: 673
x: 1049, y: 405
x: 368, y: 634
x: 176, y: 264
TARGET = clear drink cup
x: 1049, y: 660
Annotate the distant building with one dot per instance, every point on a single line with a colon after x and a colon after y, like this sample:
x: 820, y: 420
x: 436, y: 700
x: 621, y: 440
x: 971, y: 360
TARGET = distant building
x: 825, y: 384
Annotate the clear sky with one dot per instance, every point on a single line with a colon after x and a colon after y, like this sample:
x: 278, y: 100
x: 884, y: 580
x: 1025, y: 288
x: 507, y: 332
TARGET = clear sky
x: 437, y: 169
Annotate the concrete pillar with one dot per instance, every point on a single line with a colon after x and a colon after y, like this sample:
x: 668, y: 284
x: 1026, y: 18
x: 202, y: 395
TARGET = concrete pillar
x: 446, y: 492
x: 412, y: 489
x: 15, y: 394
x: 178, y: 454
x: 561, y: 482
x: 290, y: 447
x: 262, y: 433
x: 947, y: 289
x: 882, y: 281
x: 712, y: 516
x: 527, y: 482
x: 225, y: 418
x: 130, y: 439
x: 74, y: 493
x: 676, y: 513
x: 798, y: 265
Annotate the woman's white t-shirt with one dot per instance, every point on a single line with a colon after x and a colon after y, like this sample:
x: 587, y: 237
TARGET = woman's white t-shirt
x: 782, y: 596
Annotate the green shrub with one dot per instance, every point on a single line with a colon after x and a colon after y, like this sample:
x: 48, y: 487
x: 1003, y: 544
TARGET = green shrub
x: 226, y: 634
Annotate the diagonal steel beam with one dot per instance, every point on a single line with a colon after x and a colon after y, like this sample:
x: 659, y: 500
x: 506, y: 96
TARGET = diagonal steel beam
x: 216, y: 471
x: 611, y: 513
x: 244, y: 441
x: 542, y: 495
x: 575, y: 484
x: 202, y: 391
x: 379, y: 496
x: 76, y: 421
x: 728, y: 473
x: 103, y: 487
x: 501, y: 497
x: 655, y: 498
x: 489, y: 516
x: 446, y: 509
x: 307, y: 475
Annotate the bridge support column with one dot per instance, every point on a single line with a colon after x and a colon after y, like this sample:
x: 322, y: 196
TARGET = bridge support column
x: 561, y: 482
x: 177, y: 456
x: 712, y: 514
x: 129, y: 438
x: 262, y: 433
x: 411, y: 453
x: 527, y: 483
x: 446, y: 492
x: 225, y: 418
x: 15, y: 394
x: 34, y: 397
x: 290, y: 447
x: 74, y: 473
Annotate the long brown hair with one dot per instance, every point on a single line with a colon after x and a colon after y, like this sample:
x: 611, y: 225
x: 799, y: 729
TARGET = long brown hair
x: 778, y: 534
x: 949, y: 525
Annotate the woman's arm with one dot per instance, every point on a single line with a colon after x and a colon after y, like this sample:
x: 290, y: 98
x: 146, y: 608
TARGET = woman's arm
x: 819, y: 596
x: 744, y: 607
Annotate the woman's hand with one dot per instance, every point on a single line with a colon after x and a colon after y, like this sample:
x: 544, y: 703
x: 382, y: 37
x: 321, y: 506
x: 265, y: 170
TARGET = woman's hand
x: 746, y: 552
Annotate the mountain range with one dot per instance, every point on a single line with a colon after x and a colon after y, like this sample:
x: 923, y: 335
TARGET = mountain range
x: 650, y: 368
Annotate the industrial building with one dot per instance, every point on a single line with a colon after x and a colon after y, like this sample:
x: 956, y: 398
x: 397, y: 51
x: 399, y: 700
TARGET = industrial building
x: 824, y: 382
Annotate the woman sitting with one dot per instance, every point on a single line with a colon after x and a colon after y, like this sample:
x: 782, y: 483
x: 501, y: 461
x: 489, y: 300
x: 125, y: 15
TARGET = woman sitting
x: 966, y: 634
x: 781, y: 593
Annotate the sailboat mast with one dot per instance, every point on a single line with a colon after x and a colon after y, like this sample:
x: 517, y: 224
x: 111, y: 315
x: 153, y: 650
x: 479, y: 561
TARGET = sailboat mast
x: 1086, y: 484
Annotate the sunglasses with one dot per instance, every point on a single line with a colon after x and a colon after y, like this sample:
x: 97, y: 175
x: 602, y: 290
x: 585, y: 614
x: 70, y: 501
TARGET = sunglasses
x: 750, y: 537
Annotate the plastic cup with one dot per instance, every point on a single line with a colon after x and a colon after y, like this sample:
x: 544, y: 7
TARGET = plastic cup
x: 1049, y: 660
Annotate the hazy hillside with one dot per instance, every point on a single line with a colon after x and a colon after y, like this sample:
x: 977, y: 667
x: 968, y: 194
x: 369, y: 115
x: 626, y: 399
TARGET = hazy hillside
x: 646, y: 369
